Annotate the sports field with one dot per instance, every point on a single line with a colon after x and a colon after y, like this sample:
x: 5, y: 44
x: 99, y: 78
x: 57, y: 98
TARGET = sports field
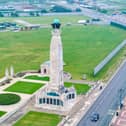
x: 24, y: 87
x: 84, y: 47
x: 39, y: 119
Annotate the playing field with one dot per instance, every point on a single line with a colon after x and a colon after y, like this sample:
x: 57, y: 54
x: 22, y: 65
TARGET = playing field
x: 39, y: 119
x: 84, y: 47
x: 24, y: 87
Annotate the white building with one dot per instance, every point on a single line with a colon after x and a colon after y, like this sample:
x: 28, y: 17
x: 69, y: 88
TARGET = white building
x: 55, y: 95
x: 45, y: 68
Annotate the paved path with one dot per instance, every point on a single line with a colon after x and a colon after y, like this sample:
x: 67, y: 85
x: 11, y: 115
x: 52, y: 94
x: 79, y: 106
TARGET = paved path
x: 25, y: 23
x: 81, y: 82
x: 16, y: 116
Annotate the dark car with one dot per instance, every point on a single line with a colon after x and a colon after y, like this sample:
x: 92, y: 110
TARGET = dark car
x: 94, y: 117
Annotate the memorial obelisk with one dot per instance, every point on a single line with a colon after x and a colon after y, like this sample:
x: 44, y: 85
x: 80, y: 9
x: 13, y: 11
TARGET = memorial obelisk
x: 56, y: 57
x: 55, y: 95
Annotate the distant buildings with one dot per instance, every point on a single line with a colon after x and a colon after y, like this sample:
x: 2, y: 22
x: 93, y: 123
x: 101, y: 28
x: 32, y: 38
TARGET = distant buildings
x: 21, y: 9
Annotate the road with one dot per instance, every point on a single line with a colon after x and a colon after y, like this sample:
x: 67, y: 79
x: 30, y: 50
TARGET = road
x: 108, y: 101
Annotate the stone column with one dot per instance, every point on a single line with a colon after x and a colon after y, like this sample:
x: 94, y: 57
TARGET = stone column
x: 6, y: 73
x: 56, y: 60
x: 11, y: 71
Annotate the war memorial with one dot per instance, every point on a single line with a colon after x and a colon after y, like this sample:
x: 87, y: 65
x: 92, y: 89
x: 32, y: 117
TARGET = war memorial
x: 55, y: 95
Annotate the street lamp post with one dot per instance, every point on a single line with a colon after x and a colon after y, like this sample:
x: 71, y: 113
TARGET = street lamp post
x: 120, y: 97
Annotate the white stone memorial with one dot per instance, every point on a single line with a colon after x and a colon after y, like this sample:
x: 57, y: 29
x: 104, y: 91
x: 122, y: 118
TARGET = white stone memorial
x: 7, y: 73
x: 55, y: 95
x: 11, y: 71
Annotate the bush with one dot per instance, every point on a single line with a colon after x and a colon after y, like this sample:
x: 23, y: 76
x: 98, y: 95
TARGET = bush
x: 103, y: 11
x: 20, y: 74
x: 8, y: 99
x: 78, y: 10
x: 60, y: 9
x: 44, y: 11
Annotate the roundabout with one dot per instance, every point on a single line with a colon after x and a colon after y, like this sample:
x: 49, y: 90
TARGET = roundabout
x: 9, y: 99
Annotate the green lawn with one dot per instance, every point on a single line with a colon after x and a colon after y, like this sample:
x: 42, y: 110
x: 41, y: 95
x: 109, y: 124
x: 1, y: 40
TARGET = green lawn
x: 80, y: 88
x: 24, y: 87
x: 8, y: 99
x: 2, y: 113
x: 39, y: 119
x: 35, y: 77
x: 84, y: 47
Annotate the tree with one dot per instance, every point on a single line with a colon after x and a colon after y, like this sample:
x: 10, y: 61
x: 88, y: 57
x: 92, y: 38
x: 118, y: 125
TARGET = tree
x: 42, y: 1
x: 78, y: 10
x: 70, y: 1
x: 32, y: 14
x: 57, y: 8
x: 37, y: 14
x: 1, y: 14
x: 14, y: 14
x: 44, y: 11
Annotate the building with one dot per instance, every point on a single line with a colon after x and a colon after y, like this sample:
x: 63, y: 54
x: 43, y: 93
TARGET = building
x: 55, y: 95
x: 45, y: 68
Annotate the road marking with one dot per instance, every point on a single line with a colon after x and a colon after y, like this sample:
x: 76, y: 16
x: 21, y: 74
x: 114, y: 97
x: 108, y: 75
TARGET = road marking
x: 111, y: 112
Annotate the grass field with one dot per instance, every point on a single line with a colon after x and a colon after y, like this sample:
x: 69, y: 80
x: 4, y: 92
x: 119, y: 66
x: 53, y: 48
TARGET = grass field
x: 35, y: 77
x: 39, y: 119
x: 80, y: 88
x: 48, y: 19
x: 84, y: 47
x: 2, y: 113
x: 24, y: 87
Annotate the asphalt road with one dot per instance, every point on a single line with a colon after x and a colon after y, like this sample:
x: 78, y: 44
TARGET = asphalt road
x: 108, y: 101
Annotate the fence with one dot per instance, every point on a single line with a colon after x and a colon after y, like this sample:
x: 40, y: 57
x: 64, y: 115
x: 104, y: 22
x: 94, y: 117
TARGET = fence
x: 109, y: 57
x: 118, y: 24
